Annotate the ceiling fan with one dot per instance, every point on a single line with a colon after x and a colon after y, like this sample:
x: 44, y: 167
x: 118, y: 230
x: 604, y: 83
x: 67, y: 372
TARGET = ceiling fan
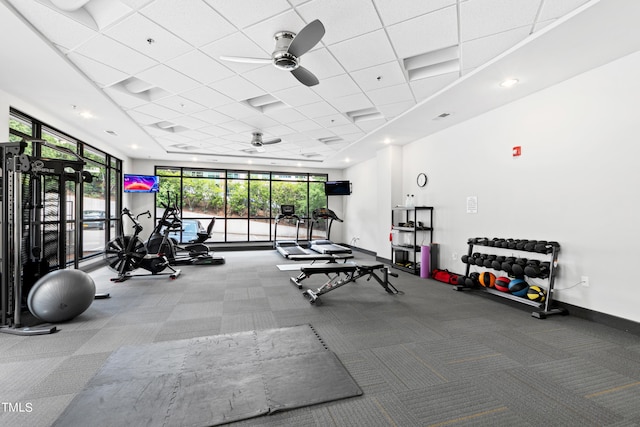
x: 289, y: 48
x: 256, y: 141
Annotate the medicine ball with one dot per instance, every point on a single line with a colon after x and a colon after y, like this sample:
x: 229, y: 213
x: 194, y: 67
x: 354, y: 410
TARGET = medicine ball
x: 487, y: 279
x: 518, y: 287
x: 502, y: 284
x: 536, y: 293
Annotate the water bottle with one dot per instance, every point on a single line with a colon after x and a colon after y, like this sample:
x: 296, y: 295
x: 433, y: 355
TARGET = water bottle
x: 407, y: 201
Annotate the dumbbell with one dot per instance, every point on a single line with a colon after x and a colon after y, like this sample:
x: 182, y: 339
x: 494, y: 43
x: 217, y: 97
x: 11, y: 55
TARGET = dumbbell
x: 480, y: 260
x: 517, y: 268
x: 482, y: 241
x: 470, y: 281
x: 530, y: 245
x: 507, y: 263
x: 496, y: 264
x: 520, y: 244
x: 488, y: 260
x: 505, y: 243
x: 546, y: 247
x: 535, y: 268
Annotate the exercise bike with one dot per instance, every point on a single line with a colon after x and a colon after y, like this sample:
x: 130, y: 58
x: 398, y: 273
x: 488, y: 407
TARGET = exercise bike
x: 196, y: 252
x: 126, y: 253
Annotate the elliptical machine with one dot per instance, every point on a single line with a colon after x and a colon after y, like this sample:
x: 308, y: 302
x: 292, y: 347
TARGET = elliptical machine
x: 197, y: 253
x: 126, y: 253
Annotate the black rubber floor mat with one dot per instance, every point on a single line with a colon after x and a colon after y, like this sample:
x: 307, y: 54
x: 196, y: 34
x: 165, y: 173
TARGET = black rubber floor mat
x: 211, y: 380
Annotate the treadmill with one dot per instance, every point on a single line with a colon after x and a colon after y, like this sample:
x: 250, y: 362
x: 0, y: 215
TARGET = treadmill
x: 288, y: 248
x: 325, y: 246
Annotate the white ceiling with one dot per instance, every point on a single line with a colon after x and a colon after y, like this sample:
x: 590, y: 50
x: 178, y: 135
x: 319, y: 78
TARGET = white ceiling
x: 155, y: 78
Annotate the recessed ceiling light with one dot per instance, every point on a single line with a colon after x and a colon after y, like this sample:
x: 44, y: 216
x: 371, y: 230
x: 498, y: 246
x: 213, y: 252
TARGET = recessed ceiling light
x: 86, y: 114
x: 134, y: 147
x: 509, y: 82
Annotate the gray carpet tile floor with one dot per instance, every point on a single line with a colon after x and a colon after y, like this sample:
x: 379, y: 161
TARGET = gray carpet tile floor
x: 427, y: 357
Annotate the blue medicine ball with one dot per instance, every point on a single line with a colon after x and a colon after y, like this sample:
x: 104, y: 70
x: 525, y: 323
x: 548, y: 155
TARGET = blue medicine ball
x: 518, y: 287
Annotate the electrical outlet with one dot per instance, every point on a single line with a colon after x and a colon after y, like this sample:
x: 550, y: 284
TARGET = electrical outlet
x: 585, y: 281
x: 454, y: 256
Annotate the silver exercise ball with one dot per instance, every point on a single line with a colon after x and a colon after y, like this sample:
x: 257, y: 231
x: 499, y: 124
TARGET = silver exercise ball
x: 61, y: 295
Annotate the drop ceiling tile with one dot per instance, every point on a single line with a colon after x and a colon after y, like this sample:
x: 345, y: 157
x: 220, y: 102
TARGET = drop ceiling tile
x: 348, y: 129
x: 237, y: 126
x: 57, y: 27
x: 317, y: 109
x: 557, y: 8
x: 304, y: 125
x: 155, y: 110
x: 364, y: 51
x: 236, y: 110
x: 196, y: 22
x: 332, y: 120
x: 321, y: 63
x: 297, y: 95
x: 259, y: 122
x: 271, y: 79
x: 212, y: 117
x: 200, y: 67
x: 207, y: 97
x: 357, y: 101
x: 237, y: 88
x: 335, y: 87
x: 285, y: 115
x: 115, y: 54
x: 278, y: 130
x: 480, y: 18
x: 168, y: 79
x: 389, y: 74
x: 100, y: 73
x: 215, y: 131
x: 247, y: 12
x: 394, y: 11
x: 424, y: 88
x: 180, y: 104
x: 425, y: 33
x: 478, y: 51
x: 192, y: 134
x: 391, y: 94
x: 541, y: 24
x: 136, y: 31
x: 343, y: 19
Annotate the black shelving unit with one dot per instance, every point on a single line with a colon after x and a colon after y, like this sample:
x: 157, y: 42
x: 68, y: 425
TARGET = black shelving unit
x: 414, y: 227
x: 545, y: 307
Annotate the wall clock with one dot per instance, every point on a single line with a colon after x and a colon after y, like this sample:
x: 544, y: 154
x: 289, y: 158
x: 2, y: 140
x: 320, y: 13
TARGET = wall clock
x: 422, y: 179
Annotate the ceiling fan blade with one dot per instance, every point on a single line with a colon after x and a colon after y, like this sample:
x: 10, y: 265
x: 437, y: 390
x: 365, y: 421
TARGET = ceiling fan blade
x: 305, y: 76
x: 307, y: 38
x: 246, y: 60
x: 271, y: 141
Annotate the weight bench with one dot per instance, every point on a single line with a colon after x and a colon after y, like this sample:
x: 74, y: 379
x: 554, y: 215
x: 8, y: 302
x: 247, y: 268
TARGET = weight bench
x: 341, y: 274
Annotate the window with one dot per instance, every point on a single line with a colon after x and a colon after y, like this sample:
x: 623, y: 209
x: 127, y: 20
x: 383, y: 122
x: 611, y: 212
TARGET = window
x: 244, y: 203
x: 97, y: 200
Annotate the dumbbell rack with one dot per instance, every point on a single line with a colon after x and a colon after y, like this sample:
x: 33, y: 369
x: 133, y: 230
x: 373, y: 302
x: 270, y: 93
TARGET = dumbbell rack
x: 545, y: 306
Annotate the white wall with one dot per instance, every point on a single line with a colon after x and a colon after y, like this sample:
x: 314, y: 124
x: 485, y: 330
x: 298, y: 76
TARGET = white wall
x: 576, y: 182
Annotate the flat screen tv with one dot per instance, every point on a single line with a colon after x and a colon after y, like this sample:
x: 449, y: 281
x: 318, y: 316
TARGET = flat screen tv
x: 337, y: 188
x: 141, y: 183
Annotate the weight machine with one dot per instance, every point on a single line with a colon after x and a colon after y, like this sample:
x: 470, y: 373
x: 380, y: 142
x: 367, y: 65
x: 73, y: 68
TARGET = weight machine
x: 33, y: 225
